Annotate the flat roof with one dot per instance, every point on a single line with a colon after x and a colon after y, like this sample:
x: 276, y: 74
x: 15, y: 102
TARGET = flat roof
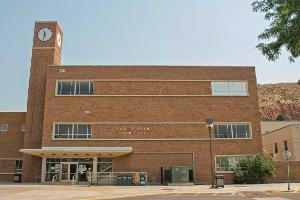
x: 136, y: 65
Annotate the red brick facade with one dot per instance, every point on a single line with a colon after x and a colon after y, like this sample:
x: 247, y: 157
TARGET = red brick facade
x: 167, y: 104
x: 10, y: 142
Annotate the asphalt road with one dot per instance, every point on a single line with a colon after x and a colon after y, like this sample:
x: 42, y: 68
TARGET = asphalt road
x: 221, y: 196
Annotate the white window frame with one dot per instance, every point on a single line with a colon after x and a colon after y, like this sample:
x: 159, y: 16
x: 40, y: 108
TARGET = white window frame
x: 3, y: 127
x: 228, y: 172
x: 72, y: 134
x: 233, y: 123
x: 228, y: 92
x: 77, y: 85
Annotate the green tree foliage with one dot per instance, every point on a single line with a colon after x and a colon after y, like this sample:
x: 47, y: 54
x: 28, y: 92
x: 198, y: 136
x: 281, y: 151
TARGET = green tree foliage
x: 298, y: 82
x: 254, y: 169
x: 284, y: 30
x: 280, y: 117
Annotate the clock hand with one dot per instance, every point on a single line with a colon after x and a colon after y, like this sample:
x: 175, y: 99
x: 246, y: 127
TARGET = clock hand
x: 44, y: 34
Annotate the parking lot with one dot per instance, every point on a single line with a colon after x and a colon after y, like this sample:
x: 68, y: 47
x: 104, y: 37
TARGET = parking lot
x: 83, y: 192
x: 219, y: 196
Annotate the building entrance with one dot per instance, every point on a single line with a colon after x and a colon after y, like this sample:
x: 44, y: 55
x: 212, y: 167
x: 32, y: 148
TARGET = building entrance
x: 68, y: 171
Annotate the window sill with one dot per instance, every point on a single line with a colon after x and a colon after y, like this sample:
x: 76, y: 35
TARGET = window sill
x: 224, y: 172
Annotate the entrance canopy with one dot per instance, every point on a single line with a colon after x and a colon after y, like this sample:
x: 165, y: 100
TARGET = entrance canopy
x: 71, y: 152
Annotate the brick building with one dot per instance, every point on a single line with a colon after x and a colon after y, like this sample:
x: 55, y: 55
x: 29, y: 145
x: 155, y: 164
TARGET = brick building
x: 136, y: 120
x: 280, y: 136
x: 277, y: 137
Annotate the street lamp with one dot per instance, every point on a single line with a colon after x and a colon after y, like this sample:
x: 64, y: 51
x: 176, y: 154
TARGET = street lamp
x: 209, y: 125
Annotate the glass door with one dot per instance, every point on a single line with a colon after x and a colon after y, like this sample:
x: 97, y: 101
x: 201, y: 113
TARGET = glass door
x: 68, y: 171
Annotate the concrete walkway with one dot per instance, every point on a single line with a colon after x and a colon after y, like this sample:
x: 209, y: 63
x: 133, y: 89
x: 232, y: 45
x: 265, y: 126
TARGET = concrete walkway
x: 67, y: 192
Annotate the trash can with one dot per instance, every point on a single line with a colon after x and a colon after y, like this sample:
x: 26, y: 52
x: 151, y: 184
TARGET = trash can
x: 142, y: 179
x: 129, y: 179
x: 124, y: 179
x: 219, y: 181
x: 119, y: 180
x: 17, y: 178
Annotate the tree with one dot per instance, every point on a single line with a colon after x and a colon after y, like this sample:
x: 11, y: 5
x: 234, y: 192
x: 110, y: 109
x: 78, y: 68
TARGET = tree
x: 298, y: 82
x: 254, y: 169
x: 284, y: 30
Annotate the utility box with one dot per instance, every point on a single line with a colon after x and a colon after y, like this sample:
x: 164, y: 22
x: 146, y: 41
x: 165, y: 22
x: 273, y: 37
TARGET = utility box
x: 179, y: 174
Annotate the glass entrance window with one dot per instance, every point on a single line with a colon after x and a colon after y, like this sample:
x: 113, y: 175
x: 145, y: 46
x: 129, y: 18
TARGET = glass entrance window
x: 104, y: 170
x: 68, y: 171
x: 64, y: 171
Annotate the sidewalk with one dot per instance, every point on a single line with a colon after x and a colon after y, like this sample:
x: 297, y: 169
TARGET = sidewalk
x: 64, y: 192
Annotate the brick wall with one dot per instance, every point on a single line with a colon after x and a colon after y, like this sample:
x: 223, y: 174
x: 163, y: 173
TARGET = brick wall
x: 10, y: 143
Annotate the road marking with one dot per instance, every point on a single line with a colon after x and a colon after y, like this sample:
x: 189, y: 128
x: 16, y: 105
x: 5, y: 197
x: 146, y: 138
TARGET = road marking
x: 176, y: 194
x: 241, y: 194
x: 215, y: 194
x: 270, y: 198
x: 197, y: 194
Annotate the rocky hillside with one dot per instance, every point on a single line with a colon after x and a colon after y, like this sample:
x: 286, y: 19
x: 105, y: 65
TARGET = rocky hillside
x: 279, y: 98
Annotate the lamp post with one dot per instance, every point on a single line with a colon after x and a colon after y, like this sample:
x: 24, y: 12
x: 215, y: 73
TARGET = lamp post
x: 286, y: 156
x: 209, y: 125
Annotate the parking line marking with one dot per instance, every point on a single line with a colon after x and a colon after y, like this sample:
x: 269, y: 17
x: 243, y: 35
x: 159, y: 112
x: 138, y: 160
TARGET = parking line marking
x: 197, y: 194
x: 241, y: 194
x: 176, y: 194
x: 214, y: 194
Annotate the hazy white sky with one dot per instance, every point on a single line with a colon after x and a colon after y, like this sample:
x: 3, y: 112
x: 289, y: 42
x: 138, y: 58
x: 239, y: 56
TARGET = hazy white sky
x: 162, y: 32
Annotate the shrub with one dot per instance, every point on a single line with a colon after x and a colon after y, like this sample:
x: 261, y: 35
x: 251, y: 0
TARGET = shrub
x: 280, y: 117
x: 298, y: 82
x: 254, y: 169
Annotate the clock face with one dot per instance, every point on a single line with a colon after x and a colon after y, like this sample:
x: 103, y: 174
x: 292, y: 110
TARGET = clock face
x: 58, y: 39
x: 44, y: 34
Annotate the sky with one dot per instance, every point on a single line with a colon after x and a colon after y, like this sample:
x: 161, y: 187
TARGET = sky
x: 145, y: 32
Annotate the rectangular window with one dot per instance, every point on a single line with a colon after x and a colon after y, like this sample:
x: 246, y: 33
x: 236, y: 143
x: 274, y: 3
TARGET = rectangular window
x: 286, y: 145
x: 276, y: 148
x: 227, y: 88
x: 228, y: 163
x: 238, y: 130
x: 72, y: 131
x: 3, y: 127
x: 74, y: 88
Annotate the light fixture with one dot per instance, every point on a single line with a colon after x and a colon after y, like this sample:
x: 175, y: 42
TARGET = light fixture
x: 87, y: 112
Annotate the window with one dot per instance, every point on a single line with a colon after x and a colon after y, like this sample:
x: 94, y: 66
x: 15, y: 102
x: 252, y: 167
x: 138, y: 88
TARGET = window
x: 3, y: 127
x: 239, y: 130
x: 74, y: 88
x: 228, y: 163
x: 276, y: 148
x: 72, y: 131
x: 286, y: 145
x: 229, y: 88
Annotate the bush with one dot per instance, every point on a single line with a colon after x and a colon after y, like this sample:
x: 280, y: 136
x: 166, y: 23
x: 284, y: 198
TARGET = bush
x: 280, y: 117
x: 254, y: 170
x: 298, y: 82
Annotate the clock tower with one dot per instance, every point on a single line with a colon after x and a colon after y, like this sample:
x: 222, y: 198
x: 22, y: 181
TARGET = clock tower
x: 46, y: 50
